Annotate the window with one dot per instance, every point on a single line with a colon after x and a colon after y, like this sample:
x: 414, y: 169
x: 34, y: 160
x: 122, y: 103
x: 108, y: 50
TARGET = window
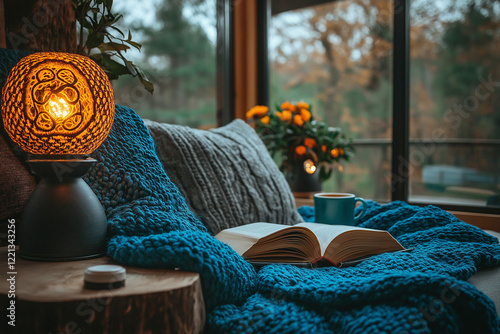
x: 454, y: 102
x: 337, y: 56
x: 178, y: 55
x: 426, y: 122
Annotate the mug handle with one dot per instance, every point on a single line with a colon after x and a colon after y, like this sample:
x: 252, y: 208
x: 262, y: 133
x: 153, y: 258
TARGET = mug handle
x: 363, y: 209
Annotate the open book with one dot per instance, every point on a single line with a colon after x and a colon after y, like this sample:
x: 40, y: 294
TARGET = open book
x: 306, y: 242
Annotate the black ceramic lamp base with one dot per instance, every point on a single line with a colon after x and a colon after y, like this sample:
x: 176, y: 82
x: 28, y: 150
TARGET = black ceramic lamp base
x: 62, y: 220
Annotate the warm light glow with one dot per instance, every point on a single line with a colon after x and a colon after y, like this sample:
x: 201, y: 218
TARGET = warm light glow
x: 309, y: 166
x: 57, y: 104
x: 334, y: 153
x: 58, y: 107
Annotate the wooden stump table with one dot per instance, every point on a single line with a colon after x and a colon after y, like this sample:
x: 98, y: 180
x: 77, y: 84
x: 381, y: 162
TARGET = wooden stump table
x: 50, y: 298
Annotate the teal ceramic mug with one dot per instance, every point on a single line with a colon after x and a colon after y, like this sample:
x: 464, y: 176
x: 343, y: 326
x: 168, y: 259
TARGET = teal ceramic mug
x: 337, y: 208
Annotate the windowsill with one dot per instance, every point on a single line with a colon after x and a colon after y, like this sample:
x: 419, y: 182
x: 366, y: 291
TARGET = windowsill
x: 482, y: 220
x: 442, y: 200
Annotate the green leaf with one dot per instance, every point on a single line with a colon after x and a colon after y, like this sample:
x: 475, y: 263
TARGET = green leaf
x: 148, y: 85
x: 96, y: 18
x: 93, y: 22
x: 115, y: 19
x: 135, y: 45
x: 118, y: 30
x: 112, y: 46
x: 108, y: 4
x: 94, y: 40
x: 132, y: 69
x: 111, y: 65
x: 86, y: 24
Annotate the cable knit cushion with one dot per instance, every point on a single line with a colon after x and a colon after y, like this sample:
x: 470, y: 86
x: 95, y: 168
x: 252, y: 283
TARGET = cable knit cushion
x: 226, y: 175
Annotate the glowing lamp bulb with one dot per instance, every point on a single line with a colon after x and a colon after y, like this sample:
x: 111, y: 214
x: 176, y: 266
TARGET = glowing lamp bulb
x: 58, y: 107
x: 57, y: 104
x: 309, y: 166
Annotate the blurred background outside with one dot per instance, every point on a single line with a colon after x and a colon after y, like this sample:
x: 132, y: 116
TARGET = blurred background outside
x: 338, y: 57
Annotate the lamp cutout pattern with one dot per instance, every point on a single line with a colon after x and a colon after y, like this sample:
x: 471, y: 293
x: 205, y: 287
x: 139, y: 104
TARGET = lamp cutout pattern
x: 57, y: 106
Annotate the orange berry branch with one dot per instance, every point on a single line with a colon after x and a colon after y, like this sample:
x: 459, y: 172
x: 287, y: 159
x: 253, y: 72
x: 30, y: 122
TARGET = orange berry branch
x: 292, y: 132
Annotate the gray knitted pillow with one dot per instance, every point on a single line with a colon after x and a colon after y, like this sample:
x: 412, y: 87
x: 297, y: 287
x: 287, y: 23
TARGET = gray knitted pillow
x: 226, y: 174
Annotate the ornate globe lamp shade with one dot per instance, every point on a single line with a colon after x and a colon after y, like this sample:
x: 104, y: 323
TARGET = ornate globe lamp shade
x: 59, y: 107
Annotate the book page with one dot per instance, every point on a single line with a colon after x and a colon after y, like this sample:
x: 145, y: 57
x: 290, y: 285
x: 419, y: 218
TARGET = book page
x: 326, y: 233
x: 355, y: 244
x: 242, y: 238
x: 255, y: 230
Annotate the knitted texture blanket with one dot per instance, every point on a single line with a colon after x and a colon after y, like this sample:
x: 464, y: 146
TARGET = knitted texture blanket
x: 421, y: 291
x: 149, y: 222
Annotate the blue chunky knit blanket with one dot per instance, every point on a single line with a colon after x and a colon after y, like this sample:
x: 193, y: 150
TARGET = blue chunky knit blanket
x: 421, y: 291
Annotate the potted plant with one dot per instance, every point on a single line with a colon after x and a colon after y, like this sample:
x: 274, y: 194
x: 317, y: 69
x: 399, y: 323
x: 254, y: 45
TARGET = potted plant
x: 100, y: 39
x: 308, y: 149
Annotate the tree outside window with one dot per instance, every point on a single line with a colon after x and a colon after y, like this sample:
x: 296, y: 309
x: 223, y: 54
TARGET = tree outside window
x: 338, y: 57
x: 178, y: 55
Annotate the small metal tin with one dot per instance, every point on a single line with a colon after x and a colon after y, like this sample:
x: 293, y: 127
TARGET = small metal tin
x: 104, y: 277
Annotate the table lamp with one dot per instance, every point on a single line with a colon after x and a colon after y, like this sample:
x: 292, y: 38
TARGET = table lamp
x: 59, y: 107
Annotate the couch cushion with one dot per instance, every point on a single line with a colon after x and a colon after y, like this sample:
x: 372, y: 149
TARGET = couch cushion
x: 16, y: 183
x: 488, y: 280
x: 226, y: 174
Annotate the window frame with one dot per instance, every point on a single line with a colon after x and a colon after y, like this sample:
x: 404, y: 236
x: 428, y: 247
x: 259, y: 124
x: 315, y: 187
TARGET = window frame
x: 400, y: 143
x: 224, y: 61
